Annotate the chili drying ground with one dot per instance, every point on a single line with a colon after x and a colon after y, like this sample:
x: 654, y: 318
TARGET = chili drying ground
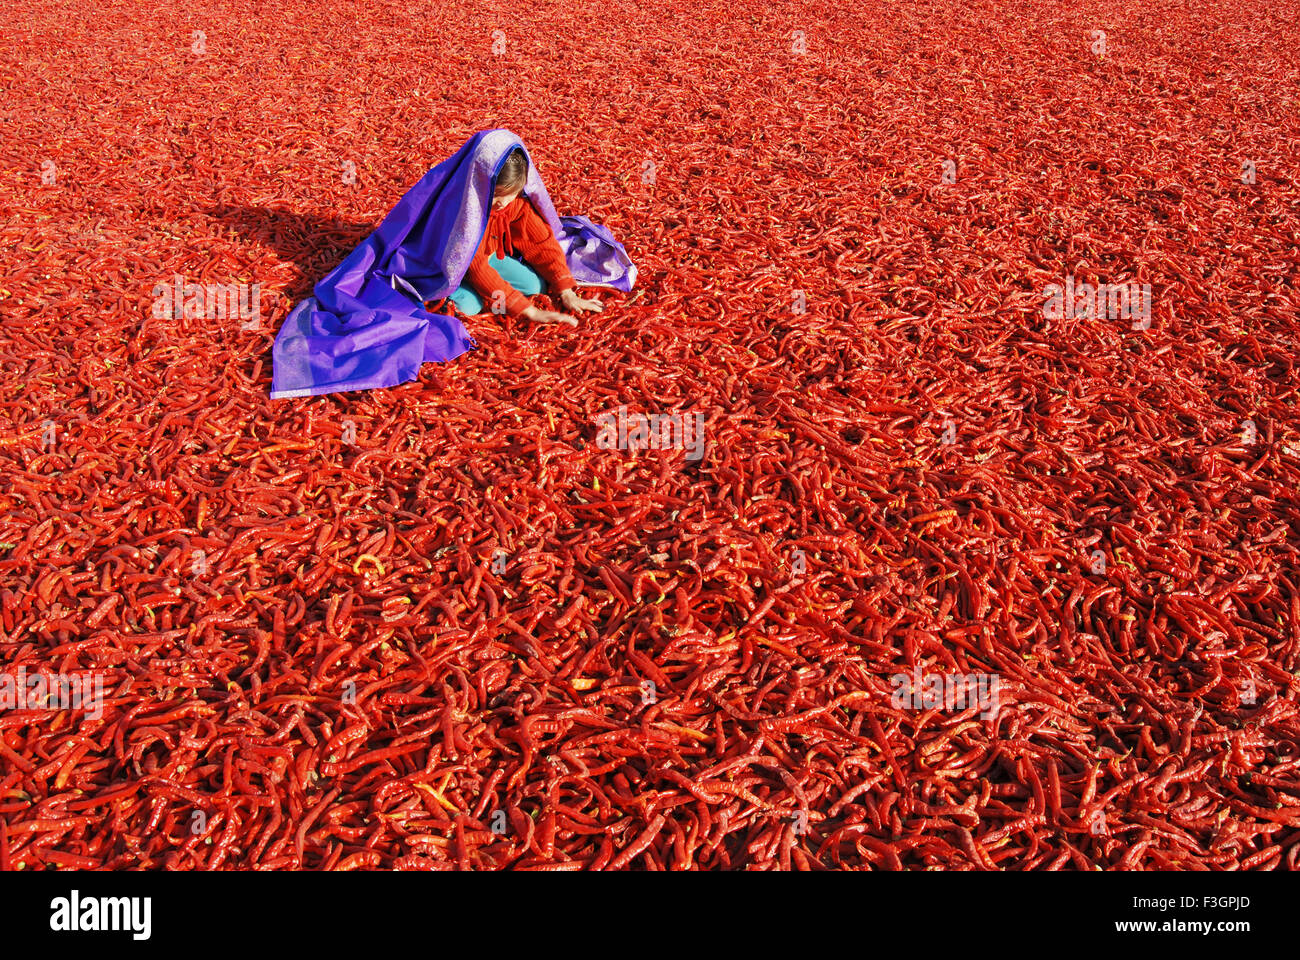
x: 309, y: 656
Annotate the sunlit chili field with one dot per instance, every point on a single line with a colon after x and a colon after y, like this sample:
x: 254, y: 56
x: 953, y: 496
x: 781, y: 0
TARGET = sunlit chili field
x: 987, y: 558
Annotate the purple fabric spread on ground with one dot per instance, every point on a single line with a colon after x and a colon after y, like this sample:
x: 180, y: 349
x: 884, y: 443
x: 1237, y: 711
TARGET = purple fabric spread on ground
x: 366, y: 326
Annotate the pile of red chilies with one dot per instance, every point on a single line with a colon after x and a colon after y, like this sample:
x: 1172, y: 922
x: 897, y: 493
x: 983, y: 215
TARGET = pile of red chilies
x: 441, y: 627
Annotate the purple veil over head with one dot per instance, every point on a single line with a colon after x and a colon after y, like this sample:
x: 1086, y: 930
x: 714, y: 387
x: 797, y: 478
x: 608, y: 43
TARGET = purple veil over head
x: 366, y: 326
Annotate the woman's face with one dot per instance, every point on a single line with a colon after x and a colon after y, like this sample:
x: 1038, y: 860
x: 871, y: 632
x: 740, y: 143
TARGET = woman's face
x: 500, y: 200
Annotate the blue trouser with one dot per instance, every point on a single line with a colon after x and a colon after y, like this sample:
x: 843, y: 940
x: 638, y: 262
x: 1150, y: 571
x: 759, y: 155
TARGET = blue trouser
x: 513, y: 271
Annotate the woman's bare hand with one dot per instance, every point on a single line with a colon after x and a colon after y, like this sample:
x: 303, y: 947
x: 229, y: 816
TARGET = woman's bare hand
x: 548, y: 316
x: 577, y: 304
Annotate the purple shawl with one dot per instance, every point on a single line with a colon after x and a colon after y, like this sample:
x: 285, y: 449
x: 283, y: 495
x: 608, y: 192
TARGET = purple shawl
x: 366, y: 326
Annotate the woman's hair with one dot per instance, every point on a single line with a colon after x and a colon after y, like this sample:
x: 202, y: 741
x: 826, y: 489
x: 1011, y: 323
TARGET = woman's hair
x: 514, y: 172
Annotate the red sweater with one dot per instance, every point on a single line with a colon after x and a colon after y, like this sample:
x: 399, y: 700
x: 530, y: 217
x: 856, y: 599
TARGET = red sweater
x: 517, y: 230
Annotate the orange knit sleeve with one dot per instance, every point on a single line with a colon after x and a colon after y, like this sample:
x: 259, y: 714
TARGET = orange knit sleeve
x: 534, y: 241
x: 485, y: 281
